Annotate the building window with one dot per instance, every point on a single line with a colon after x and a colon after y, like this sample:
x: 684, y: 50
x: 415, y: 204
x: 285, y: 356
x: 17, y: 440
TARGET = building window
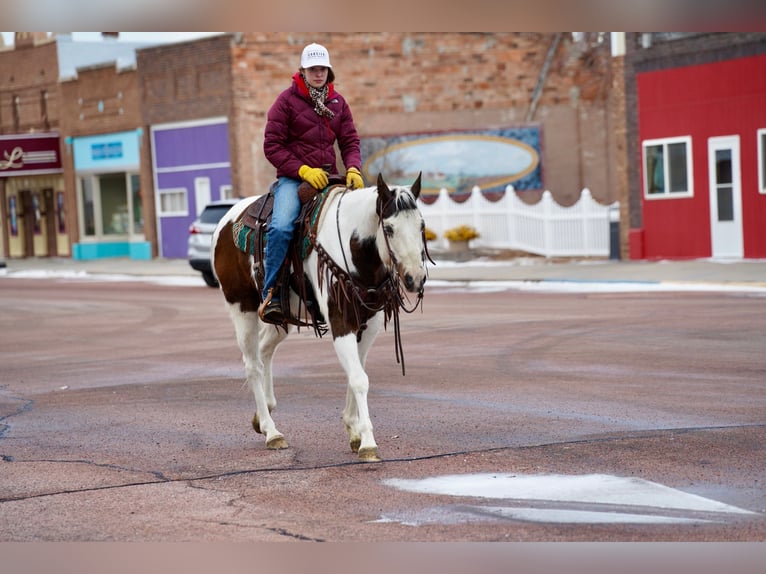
x: 16, y: 112
x: 60, y: 213
x: 88, y: 206
x: 227, y: 192
x: 107, y: 205
x: 44, y: 110
x: 174, y: 201
x: 668, y: 168
x: 762, y: 160
x: 138, y: 208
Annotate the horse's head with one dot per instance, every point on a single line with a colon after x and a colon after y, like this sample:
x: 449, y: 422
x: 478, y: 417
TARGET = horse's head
x: 401, y: 234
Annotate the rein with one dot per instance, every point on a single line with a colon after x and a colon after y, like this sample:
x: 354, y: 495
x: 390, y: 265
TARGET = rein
x: 353, y: 296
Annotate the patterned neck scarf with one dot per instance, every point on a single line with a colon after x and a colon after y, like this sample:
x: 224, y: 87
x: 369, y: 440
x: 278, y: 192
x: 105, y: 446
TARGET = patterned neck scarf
x: 318, y: 96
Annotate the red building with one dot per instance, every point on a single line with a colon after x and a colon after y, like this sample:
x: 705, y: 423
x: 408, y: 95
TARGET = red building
x: 697, y: 139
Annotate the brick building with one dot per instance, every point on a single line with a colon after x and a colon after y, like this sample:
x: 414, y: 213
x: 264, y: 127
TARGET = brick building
x: 146, y: 144
x: 32, y: 213
x: 103, y: 138
x: 404, y: 83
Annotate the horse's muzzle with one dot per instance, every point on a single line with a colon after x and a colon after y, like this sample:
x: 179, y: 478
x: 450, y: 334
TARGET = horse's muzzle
x: 412, y: 285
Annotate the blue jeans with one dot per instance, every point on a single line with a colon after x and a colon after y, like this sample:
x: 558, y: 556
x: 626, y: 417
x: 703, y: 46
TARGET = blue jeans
x: 287, y: 207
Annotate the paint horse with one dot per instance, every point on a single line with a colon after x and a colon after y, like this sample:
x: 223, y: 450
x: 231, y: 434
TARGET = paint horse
x: 366, y: 251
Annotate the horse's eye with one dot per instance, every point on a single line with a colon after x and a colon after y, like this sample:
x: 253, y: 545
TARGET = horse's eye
x: 388, y: 230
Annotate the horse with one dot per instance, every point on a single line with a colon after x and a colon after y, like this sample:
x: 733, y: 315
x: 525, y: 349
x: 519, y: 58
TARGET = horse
x: 367, y: 253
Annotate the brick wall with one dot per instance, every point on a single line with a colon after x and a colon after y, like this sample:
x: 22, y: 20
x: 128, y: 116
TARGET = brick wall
x: 186, y: 81
x: 101, y: 99
x: 409, y: 82
x: 394, y: 82
x: 619, y: 145
x: 29, y: 73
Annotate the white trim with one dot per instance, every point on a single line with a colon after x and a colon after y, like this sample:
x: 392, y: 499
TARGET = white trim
x: 156, y: 184
x: 190, y: 123
x: 761, y: 135
x: 665, y: 142
x: 34, y: 136
x: 7, y: 174
x: 193, y: 167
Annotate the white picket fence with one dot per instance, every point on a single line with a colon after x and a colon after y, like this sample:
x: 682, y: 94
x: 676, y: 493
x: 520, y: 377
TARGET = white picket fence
x: 545, y: 228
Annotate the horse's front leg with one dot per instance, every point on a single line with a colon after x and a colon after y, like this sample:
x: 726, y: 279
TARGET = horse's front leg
x: 350, y: 413
x: 356, y: 416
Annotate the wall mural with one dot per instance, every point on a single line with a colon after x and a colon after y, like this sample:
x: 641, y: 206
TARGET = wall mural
x: 457, y: 161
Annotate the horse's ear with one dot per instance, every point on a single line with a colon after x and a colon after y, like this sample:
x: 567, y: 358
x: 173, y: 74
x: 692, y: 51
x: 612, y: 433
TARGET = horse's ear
x: 382, y: 187
x: 415, y: 189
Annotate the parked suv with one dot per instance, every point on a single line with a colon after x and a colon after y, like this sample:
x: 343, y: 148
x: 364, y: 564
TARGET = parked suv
x: 201, y: 235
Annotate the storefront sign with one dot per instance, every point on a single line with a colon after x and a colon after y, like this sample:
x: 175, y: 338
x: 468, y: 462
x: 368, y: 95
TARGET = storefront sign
x: 29, y: 154
x: 107, y: 152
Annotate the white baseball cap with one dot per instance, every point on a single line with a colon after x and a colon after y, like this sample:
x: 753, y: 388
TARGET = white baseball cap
x: 315, y: 55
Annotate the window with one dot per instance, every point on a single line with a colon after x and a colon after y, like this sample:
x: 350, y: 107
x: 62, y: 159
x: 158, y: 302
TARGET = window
x: 87, y: 203
x: 138, y: 209
x: 762, y: 160
x: 668, y: 168
x: 227, y: 192
x: 115, y: 217
x: 16, y: 112
x: 174, y: 201
x: 109, y: 205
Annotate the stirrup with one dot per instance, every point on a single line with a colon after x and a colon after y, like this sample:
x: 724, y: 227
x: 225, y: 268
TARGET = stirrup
x: 270, y: 311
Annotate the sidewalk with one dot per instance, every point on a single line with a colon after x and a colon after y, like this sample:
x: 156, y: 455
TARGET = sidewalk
x: 751, y: 272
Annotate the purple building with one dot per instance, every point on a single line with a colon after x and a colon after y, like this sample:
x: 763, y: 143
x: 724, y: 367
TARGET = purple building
x: 191, y: 166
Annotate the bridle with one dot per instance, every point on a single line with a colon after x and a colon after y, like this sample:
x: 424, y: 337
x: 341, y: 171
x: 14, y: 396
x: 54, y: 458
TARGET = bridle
x: 352, y: 295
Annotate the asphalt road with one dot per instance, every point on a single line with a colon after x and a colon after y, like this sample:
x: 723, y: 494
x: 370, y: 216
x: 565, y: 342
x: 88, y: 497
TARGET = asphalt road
x: 523, y: 416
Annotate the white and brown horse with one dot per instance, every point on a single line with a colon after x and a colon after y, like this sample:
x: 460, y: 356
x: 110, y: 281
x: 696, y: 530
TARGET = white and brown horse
x: 367, y: 249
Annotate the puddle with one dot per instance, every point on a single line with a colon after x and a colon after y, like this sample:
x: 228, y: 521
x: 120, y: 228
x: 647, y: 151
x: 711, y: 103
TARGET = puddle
x: 561, y: 499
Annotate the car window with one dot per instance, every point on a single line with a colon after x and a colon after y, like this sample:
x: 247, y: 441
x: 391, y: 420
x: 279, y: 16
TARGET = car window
x: 213, y: 213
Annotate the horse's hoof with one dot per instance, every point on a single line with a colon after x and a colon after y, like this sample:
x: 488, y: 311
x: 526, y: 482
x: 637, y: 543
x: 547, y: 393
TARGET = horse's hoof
x: 369, y: 454
x: 256, y: 424
x: 355, y: 444
x: 276, y: 443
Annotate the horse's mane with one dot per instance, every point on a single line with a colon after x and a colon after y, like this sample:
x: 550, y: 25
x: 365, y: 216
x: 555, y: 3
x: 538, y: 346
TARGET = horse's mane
x: 403, y: 199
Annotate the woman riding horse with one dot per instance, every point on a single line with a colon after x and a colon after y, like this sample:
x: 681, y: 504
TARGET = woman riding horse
x: 301, y: 129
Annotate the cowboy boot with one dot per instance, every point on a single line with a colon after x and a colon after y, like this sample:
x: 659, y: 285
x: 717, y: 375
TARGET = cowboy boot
x: 270, y: 311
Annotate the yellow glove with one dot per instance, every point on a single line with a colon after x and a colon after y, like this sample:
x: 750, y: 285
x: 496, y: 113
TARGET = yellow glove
x: 316, y: 176
x: 354, y: 178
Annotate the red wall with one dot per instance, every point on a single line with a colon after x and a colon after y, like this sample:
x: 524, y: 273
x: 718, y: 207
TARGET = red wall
x: 721, y: 99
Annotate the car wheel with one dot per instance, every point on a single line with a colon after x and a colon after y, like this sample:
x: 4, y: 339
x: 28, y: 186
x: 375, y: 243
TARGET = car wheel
x: 210, y: 279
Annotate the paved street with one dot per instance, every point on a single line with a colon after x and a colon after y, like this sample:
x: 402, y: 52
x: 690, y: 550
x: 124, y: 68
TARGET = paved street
x: 524, y: 415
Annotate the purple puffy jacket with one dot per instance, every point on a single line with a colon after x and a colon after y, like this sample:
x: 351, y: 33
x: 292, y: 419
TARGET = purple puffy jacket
x: 296, y: 135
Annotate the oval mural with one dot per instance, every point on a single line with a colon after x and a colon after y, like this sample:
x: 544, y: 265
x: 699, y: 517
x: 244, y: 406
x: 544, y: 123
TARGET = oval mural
x: 457, y: 163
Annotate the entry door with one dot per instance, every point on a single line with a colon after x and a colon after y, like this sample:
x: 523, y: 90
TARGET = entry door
x: 202, y: 195
x: 725, y: 197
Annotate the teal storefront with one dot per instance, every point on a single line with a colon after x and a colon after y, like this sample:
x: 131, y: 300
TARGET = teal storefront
x: 109, y: 201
